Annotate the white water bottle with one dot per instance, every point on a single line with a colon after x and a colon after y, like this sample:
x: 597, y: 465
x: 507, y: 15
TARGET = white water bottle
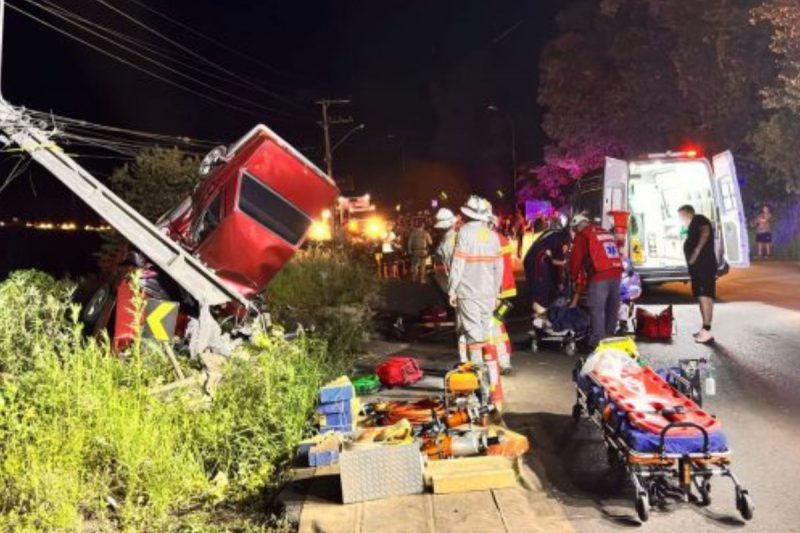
x: 710, y: 383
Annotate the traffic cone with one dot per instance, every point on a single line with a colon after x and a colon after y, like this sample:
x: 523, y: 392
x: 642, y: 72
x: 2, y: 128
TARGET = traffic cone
x: 495, y: 380
x: 462, y: 349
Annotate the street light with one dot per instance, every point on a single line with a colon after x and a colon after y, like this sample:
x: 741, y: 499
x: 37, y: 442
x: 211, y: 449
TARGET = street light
x: 513, y: 132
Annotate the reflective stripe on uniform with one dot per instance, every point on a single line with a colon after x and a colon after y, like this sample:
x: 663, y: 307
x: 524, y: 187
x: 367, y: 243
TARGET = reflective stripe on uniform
x: 509, y: 293
x: 476, y: 258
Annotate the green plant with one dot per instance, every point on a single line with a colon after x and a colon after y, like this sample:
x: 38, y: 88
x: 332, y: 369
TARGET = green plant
x: 331, y: 290
x: 85, y: 444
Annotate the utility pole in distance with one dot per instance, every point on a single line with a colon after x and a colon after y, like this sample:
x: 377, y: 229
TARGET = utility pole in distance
x: 327, y: 122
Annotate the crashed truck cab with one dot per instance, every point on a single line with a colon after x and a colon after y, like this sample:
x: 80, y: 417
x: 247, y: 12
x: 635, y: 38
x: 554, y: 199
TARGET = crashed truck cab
x: 244, y: 221
x: 648, y: 191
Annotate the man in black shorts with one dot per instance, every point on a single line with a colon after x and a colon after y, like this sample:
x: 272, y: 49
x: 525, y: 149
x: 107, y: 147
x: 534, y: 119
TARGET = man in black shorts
x: 702, y: 261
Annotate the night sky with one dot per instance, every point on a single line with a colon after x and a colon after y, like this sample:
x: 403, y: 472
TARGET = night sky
x: 420, y: 75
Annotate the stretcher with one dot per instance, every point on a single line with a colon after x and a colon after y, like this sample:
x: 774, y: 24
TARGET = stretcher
x: 658, y: 438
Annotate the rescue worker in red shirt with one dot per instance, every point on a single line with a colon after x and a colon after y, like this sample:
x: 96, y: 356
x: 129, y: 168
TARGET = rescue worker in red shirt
x: 595, y: 256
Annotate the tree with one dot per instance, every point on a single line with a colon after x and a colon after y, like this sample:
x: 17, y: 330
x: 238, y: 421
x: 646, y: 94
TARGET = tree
x: 784, y: 18
x: 651, y: 75
x: 154, y: 182
x: 775, y: 138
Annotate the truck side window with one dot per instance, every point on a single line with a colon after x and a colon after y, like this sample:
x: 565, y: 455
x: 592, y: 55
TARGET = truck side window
x: 209, y: 220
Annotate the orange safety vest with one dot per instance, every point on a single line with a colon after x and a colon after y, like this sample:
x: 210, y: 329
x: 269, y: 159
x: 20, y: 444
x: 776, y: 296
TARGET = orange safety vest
x: 508, y: 288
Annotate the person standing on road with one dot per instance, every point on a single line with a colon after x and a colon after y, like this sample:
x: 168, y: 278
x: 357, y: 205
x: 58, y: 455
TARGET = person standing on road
x: 763, y: 224
x: 702, y: 262
x: 448, y: 223
x: 595, y: 254
x: 476, y: 274
x: 419, y: 243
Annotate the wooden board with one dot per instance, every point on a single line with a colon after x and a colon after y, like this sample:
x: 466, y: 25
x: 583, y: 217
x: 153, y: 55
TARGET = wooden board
x: 462, y: 513
x: 467, y: 464
x: 470, y: 481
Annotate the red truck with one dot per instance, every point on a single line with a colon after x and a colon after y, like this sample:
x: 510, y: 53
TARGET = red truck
x: 244, y: 222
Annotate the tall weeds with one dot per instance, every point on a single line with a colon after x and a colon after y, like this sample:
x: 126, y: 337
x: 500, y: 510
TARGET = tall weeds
x: 84, y: 444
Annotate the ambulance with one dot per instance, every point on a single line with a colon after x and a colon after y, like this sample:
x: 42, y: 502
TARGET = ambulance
x: 640, y: 199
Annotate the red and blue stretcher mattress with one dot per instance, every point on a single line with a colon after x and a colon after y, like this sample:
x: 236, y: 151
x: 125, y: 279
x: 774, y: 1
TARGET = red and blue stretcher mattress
x: 639, y: 404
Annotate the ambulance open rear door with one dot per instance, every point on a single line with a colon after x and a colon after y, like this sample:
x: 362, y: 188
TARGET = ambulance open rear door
x: 615, y: 189
x: 733, y: 227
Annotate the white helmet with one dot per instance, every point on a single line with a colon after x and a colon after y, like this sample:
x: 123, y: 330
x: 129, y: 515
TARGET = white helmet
x: 444, y: 219
x: 477, y: 208
x: 578, y: 219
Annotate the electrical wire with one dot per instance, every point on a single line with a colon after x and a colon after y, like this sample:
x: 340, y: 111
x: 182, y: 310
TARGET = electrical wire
x: 150, y: 47
x: 131, y: 64
x: 88, y: 125
x: 189, y: 50
x: 210, y: 39
x: 157, y: 62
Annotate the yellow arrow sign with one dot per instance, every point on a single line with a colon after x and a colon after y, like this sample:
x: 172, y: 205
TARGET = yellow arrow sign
x: 155, y: 320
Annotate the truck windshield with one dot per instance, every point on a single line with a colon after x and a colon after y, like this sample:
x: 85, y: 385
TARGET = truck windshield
x: 272, y: 211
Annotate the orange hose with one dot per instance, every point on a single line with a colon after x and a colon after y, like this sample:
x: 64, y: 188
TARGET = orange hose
x: 417, y: 413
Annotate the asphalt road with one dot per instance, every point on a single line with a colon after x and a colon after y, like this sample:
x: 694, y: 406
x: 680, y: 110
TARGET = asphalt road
x: 757, y: 361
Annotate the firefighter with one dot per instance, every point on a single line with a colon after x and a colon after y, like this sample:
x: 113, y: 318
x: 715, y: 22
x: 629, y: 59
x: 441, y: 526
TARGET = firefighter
x: 448, y: 223
x: 508, y: 290
x: 476, y: 275
x: 595, y: 255
x: 419, y: 242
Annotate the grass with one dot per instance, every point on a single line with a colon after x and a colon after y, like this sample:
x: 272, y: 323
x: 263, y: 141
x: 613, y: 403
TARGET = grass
x: 84, y: 444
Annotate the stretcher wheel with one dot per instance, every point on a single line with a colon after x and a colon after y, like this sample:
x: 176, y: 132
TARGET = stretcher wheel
x: 745, y: 504
x: 705, y: 493
x: 577, y: 411
x: 534, y: 345
x: 570, y: 348
x: 643, y: 506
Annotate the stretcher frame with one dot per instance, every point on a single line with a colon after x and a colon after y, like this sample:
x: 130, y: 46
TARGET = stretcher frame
x: 653, y: 474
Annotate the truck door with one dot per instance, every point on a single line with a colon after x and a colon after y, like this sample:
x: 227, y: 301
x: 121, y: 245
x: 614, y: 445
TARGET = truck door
x: 736, y: 247
x: 615, y: 189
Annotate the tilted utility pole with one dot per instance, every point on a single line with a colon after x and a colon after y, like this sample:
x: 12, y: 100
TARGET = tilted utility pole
x: 327, y: 122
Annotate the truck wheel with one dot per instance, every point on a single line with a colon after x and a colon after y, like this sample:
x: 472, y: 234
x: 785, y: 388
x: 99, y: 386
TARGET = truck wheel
x: 93, y: 309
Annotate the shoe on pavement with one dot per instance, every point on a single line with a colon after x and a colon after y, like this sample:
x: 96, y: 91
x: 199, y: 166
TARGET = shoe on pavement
x: 696, y: 333
x: 704, y: 337
x: 506, y: 371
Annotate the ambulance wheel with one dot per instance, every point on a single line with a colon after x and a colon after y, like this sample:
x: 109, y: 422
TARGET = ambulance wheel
x: 534, y: 345
x: 577, y: 411
x: 745, y: 505
x: 643, y: 506
x: 570, y: 348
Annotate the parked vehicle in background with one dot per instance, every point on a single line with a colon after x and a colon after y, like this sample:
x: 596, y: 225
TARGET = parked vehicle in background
x: 651, y: 189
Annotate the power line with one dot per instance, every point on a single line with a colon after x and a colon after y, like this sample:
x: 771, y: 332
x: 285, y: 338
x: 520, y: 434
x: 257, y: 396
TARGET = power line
x: 210, y: 39
x: 156, y: 62
x: 149, y: 47
x: 187, y: 50
x: 131, y: 64
x: 85, y: 124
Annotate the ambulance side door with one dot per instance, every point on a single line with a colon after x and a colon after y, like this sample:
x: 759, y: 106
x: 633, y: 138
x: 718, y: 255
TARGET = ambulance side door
x: 733, y: 227
x: 615, y: 189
